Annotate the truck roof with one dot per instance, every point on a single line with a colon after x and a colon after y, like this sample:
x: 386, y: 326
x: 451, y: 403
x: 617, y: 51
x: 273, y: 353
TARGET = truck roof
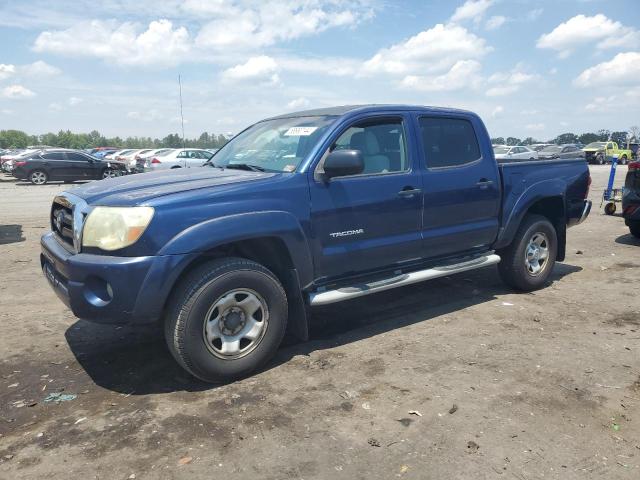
x: 341, y: 110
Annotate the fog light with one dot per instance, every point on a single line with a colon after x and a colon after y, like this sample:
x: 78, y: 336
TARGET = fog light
x: 97, y: 291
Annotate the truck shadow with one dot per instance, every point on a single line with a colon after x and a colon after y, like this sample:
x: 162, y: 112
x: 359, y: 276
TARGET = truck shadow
x: 135, y: 361
x: 628, y: 239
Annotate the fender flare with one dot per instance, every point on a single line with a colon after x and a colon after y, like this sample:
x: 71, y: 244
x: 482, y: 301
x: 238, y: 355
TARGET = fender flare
x: 219, y: 231
x: 531, y: 195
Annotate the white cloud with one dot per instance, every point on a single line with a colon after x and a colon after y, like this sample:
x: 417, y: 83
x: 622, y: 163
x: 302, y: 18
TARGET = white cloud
x: 530, y: 111
x: 262, y: 69
x: 6, y: 111
x: 73, y: 101
x: 298, y: 103
x: 6, y: 70
x: 55, y: 107
x: 250, y: 25
x: 333, y: 66
x: 17, y: 92
x: 125, y: 44
x: 146, y: 116
x: 623, y: 69
x: 582, y: 30
x: 433, y: 50
x: 39, y: 69
x: 495, y: 22
x: 535, y: 127
x: 464, y: 74
x: 601, y: 104
x: 498, y: 110
x: 534, y: 14
x: 506, y: 83
x: 471, y: 10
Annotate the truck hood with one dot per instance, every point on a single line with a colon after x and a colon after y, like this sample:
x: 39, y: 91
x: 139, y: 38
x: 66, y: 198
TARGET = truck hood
x: 137, y: 189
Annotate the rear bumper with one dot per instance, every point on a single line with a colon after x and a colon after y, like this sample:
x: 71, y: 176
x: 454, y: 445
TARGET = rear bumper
x: 106, y: 289
x: 579, y: 213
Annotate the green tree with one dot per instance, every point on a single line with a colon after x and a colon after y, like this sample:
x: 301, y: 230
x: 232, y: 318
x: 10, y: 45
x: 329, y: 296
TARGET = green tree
x: 497, y: 141
x: 620, y: 138
x: 513, y: 141
x: 588, y: 138
x: 566, y: 138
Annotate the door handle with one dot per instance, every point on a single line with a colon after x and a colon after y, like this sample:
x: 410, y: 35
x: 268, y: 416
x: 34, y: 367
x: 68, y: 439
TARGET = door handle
x: 409, y: 192
x: 483, y: 183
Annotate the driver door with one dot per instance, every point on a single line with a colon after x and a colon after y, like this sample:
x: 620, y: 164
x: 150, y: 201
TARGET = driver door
x: 372, y: 220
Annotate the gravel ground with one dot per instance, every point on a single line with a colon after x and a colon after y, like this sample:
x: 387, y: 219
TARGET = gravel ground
x: 457, y: 378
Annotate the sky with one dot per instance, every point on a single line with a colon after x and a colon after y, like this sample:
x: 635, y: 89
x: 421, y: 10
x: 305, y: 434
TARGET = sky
x: 529, y: 68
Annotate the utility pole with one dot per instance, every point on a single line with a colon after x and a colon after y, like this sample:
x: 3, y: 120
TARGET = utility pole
x: 184, y: 145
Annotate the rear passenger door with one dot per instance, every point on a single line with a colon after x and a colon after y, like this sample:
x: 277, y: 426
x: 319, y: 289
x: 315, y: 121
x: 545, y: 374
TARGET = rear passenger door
x: 56, y: 165
x: 461, y: 187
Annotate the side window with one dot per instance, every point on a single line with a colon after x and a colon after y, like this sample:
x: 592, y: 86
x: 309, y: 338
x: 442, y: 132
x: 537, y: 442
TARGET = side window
x: 76, y: 157
x: 182, y: 154
x: 382, y: 143
x: 448, y: 142
x: 609, y: 146
x: 52, y: 156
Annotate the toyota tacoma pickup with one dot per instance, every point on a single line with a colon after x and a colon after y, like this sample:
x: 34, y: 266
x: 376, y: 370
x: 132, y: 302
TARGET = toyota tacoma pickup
x: 300, y: 210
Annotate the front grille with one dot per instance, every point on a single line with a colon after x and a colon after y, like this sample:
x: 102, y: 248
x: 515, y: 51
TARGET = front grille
x: 62, y: 220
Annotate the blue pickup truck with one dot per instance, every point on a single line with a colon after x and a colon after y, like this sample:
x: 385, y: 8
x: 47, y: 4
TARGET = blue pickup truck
x: 305, y: 209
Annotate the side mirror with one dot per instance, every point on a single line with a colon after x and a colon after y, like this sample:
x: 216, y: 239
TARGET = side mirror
x: 341, y: 163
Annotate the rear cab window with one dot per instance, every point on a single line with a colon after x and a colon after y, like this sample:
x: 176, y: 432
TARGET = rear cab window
x: 448, y: 141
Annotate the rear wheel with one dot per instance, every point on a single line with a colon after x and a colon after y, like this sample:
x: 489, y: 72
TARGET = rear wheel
x: 226, y: 319
x: 527, y: 263
x: 38, y: 177
x: 610, y: 208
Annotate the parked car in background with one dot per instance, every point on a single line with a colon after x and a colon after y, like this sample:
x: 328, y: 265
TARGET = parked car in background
x: 179, y: 158
x: 112, y: 156
x: 517, y: 152
x: 130, y: 157
x: 560, y: 151
x: 103, y: 153
x: 145, y: 158
x: 631, y: 199
x: 603, y: 152
x: 8, y: 160
x: 63, y: 164
x: 536, y: 147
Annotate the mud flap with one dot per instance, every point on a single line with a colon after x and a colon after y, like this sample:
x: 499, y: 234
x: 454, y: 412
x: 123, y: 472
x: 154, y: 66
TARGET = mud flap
x: 297, y: 325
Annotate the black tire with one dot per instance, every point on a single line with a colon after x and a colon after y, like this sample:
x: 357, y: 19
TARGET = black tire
x: 610, y: 208
x: 108, y: 173
x: 193, y: 299
x: 600, y: 159
x: 38, y: 177
x: 623, y: 160
x: 513, y: 267
x: 634, y: 228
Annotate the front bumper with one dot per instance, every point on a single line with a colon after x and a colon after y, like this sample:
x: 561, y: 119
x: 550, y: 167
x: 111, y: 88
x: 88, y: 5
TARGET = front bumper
x: 107, y: 289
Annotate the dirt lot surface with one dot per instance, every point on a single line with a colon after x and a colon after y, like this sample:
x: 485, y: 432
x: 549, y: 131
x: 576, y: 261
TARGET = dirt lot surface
x: 457, y: 378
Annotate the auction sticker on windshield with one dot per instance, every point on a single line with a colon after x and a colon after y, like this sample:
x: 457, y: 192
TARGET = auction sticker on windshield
x: 300, y: 131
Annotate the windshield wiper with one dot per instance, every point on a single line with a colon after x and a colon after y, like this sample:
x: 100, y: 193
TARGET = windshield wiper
x: 245, y: 166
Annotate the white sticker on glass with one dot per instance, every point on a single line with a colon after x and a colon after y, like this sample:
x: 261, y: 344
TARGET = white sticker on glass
x: 300, y: 131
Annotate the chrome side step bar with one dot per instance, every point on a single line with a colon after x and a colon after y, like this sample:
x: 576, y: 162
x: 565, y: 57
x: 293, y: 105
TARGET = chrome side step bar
x: 345, y: 293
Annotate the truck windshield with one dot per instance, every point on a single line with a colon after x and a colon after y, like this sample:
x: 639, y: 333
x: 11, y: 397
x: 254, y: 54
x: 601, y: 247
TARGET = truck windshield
x: 277, y: 145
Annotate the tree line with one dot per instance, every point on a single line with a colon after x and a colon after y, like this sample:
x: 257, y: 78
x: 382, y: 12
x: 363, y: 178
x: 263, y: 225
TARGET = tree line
x: 600, y: 136
x: 68, y: 139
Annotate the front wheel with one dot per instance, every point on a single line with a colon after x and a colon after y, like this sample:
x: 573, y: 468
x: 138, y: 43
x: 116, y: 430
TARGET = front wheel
x: 610, y: 208
x: 600, y: 159
x: 623, y: 160
x: 527, y: 263
x: 226, y: 319
x: 109, y: 173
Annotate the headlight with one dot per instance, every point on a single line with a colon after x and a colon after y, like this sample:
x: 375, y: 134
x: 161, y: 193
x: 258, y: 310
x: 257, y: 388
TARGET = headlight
x: 112, y: 228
